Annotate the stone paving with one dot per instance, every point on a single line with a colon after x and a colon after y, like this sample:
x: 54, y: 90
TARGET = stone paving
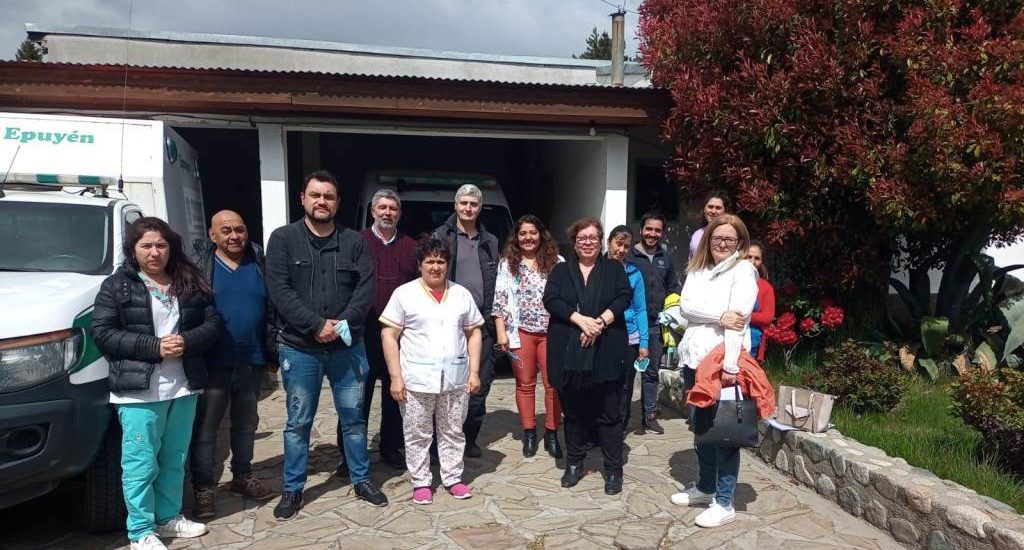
x: 517, y: 502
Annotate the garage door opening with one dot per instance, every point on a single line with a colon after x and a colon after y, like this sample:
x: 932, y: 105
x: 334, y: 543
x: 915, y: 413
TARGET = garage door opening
x: 229, y: 169
x: 558, y: 180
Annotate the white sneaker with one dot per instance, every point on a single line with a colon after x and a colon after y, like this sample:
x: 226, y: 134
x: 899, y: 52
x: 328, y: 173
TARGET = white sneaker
x: 148, y: 542
x: 180, y: 527
x: 715, y: 516
x: 692, y: 496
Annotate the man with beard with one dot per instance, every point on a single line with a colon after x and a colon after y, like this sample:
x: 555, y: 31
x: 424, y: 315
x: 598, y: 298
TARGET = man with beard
x: 320, y: 279
x: 651, y: 255
x: 394, y: 263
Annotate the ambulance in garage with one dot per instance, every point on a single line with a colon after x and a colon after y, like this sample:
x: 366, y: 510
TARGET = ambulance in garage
x: 70, y: 186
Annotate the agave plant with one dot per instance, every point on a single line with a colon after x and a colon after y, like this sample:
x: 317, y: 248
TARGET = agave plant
x: 978, y: 318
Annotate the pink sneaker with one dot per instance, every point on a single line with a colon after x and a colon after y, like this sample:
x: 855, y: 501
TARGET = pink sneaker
x: 460, y: 491
x: 422, y: 495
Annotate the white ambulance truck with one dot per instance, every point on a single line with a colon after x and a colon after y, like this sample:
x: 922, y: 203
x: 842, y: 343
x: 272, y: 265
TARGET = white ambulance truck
x: 62, y: 218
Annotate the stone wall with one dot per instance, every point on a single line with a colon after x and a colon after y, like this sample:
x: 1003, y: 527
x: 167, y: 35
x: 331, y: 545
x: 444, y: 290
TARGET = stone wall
x: 915, y: 506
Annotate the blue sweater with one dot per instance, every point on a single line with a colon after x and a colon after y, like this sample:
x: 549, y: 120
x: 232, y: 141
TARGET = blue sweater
x: 636, y: 313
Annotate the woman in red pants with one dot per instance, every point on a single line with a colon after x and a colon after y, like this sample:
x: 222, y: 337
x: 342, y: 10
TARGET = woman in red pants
x: 522, y: 325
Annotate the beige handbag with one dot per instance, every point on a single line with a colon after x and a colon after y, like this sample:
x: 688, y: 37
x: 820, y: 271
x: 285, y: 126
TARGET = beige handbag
x: 804, y: 409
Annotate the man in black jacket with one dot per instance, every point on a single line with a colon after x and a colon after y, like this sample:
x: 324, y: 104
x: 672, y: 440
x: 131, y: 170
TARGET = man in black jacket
x: 236, y: 363
x: 320, y: 279
x: 474, y: 265
x: 651, y: 254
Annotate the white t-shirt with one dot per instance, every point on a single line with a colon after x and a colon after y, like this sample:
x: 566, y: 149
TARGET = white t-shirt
x: 707, y: 294
x: 433, y: 349
x: 168, y: 379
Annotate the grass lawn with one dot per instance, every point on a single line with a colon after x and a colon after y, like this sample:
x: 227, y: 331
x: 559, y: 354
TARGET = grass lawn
x: 923, y: 432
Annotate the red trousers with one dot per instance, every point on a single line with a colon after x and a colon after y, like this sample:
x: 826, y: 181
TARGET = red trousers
x: 533, y: 356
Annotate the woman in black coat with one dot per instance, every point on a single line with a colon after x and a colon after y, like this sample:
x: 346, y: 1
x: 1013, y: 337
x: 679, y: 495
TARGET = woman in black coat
x: 588, y: 350
x: 154, y: 319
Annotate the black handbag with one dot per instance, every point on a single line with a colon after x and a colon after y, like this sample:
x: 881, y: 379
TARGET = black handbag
x: 726, y: 423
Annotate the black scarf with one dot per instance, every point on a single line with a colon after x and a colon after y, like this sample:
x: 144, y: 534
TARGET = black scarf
x: 579, y: 361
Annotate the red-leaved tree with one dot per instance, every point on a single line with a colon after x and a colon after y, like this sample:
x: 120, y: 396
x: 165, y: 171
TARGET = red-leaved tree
x: 840, y: 126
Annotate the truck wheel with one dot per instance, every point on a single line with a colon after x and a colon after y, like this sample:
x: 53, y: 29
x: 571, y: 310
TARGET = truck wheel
x: 103, y: 508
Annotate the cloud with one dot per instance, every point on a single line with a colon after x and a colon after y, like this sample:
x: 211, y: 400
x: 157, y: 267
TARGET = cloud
x: 554, y: 28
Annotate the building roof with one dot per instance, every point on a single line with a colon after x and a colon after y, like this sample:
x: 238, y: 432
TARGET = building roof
x: 254, y: 92
x: 82, y: 44
x: 36, y: 32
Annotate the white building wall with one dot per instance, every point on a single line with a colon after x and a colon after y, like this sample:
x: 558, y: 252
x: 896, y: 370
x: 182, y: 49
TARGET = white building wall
x: 616, y: 181
x: 577, y: 172
x: 273, y: 178
x: 1002, y: 257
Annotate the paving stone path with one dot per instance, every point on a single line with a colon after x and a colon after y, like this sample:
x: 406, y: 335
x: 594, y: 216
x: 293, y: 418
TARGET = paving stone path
x: 517, y: 502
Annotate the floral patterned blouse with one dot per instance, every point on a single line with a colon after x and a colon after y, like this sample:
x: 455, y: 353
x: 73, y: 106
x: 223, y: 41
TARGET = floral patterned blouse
x: 519, y: 300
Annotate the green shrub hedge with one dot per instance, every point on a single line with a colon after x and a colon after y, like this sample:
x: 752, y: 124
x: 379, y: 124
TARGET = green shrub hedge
x: 860, y: 381
x: 993, y: 403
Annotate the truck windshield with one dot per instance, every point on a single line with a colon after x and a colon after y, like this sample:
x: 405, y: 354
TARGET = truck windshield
x: 55, y: 237
x: 420, y: 217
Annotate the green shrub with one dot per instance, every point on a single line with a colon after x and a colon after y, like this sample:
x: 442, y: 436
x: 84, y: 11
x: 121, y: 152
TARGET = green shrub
x: 993, y: 403
x: 860, y: 381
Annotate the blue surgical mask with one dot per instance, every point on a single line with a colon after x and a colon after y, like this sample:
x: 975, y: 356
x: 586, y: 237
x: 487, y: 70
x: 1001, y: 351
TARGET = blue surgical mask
x: 344, y: 332
x: 641, y: 364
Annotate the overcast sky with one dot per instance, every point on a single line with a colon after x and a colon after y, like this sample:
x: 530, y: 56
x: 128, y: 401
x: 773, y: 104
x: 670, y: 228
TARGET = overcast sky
x: 555, y: 28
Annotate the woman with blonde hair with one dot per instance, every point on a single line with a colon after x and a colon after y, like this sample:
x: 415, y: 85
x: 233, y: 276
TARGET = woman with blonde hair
x: 717, y: 299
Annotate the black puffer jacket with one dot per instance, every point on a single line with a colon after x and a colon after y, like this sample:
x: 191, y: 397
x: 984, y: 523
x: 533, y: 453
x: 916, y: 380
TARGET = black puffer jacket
x: 122, y: 325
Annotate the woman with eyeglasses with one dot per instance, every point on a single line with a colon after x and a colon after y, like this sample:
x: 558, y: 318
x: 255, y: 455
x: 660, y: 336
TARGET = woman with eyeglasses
x: 522, y: 326
x: 716, y: 204
x: 588, y: 350
x: 717, y: 299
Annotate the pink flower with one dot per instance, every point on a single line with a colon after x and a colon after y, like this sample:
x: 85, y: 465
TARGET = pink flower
x: 807, y: 324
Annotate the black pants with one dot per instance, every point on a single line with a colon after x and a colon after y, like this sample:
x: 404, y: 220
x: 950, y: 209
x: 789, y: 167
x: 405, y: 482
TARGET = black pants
x: 600, y: 407
x: 478, y: 401
x: 391, y: 435
x: 238, y: 389
x: 649, y: 379
x: 689, y: 380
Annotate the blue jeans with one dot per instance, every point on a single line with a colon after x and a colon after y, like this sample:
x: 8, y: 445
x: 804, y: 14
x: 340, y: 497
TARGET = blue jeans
x: 719, y: 467
x: 302, y: 373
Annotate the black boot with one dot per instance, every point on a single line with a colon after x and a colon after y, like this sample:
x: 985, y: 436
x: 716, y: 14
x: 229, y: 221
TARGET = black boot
x: 573, y: 474
x: 612, y: 483
x: 551, y: 443
x: 529, y: 443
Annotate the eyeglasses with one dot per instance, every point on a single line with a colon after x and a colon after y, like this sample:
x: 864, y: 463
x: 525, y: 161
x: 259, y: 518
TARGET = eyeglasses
x: 724, y: 240
x: 588, y: 239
